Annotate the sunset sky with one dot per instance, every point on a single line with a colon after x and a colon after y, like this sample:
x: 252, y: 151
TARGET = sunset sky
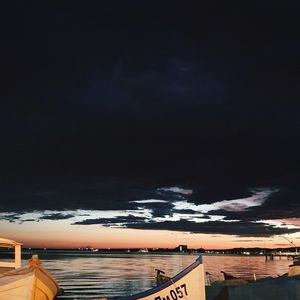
x: 150, y: 124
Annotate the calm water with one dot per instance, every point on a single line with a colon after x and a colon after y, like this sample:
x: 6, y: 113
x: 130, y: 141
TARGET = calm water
x: 85, y: 275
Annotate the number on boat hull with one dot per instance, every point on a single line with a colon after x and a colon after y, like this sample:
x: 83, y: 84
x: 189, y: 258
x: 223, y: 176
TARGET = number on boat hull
x: 175, y: 294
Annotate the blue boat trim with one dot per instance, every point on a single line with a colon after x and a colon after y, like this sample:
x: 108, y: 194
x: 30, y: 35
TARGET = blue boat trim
x: 165, y: 284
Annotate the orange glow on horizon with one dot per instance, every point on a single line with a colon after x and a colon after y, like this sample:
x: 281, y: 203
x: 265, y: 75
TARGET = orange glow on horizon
x: 49, y: 234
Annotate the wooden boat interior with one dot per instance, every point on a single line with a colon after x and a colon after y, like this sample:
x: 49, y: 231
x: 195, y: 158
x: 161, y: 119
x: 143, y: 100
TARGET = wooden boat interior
x: 6, y: 266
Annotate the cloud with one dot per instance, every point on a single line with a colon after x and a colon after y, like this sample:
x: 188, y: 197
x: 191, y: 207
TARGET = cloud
x: 236, y: 205
x: 240, y: 228
x: 10, y: 217
x: 278, y: 205
x: 280, y: 224
x: 188, y: 217
x: 258, y: 213
x: 290, y: 221
x: 176, y: 189
x: 120, y: 221
x: 149, y: 201
x: 56, y: 216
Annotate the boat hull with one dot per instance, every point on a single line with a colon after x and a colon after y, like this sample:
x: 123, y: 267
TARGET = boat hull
x: 283, y: 288
x: 28, y: 284
x: 294, y: 270
x: 188, y: 284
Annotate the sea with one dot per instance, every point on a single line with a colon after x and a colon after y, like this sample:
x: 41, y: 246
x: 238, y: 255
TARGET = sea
x: 90, y: 275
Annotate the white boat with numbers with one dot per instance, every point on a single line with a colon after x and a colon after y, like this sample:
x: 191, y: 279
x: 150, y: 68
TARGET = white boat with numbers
x: 189, y: 284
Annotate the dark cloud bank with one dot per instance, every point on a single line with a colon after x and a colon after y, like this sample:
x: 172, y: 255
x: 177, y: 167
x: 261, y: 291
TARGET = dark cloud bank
x: 103, y: 104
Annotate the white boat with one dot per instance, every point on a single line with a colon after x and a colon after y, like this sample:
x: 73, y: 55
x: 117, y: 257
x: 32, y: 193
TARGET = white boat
x: 25, y: 283
x: 189, y: 284
x: 143, y: 250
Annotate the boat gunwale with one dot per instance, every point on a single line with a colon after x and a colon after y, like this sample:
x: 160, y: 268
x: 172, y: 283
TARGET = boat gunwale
x: 6, y: 243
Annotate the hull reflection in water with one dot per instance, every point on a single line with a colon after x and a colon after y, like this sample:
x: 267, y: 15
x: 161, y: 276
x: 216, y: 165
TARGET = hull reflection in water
x: 188, y: 284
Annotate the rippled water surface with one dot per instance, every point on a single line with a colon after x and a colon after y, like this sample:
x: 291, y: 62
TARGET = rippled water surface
x: 86, y: 275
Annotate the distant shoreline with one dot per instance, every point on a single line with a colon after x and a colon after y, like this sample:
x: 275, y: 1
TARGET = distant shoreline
x: 234, y: 251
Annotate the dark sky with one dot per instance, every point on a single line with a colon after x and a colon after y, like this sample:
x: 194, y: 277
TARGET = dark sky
x: 103, y: 103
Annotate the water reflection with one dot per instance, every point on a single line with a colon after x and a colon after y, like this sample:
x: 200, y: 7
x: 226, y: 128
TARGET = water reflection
x: 84, y: 275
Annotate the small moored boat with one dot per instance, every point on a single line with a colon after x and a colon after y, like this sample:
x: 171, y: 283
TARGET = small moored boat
x: 160, y: 277
x: 228, y: 276
x: 25, y: 283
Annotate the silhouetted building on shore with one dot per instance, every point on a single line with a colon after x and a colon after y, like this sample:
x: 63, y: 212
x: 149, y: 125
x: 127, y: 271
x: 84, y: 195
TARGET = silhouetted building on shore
x: 182, y: 248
